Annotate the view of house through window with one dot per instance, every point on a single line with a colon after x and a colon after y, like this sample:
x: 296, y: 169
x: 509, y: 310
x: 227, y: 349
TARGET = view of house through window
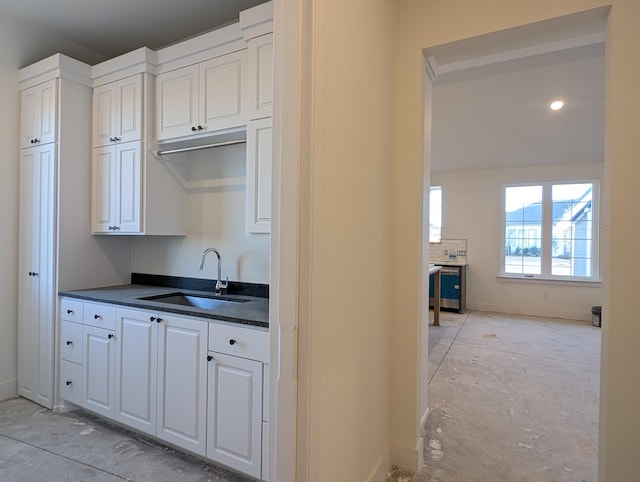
x: 435, y: 213
x: 550, y: 230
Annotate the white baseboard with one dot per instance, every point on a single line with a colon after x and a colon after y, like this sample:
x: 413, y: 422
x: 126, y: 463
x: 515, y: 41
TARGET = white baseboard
x: 408, y: 458
x: 531, y: 311
x: 424, y: 418
x: 8, y: 389
x: 382, y: 468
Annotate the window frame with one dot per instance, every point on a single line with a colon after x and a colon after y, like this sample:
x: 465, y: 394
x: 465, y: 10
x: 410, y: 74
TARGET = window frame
x: 547, y: 233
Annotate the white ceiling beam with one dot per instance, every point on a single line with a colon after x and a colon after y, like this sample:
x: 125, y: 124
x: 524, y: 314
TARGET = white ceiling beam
x: 513, y: 54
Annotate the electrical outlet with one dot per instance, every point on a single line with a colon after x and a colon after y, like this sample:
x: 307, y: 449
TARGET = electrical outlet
x: 446, y: 252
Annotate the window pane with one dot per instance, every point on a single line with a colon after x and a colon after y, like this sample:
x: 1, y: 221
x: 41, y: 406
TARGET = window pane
x: 435, y: 213
x: 523, y: 229
x: 572, y: 237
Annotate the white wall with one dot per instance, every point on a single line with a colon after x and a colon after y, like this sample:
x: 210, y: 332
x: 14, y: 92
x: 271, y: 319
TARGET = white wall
x: 472, y: 210
x: 215, y: 184
x: 9, y: 235
x: 345, y: 242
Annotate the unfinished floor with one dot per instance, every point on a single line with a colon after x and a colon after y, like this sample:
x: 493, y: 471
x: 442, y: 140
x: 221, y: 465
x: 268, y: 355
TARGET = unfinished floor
x: 512, y: 399
x: 37, y: 444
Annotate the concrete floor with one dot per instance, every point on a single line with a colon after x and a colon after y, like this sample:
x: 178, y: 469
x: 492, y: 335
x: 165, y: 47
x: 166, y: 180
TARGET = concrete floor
x: 512, y: 398
x: 39, y: 445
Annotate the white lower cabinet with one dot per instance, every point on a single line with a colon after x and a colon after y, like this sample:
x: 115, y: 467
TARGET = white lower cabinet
x: 71, y: 382
x: 136, y: 370
x: 235, y: 404
x: 182, y: 381
x: 193, y: 383
x: 234, y: 423
x: 98, y: 364
x: 161, y: 376
x: 265, y: 450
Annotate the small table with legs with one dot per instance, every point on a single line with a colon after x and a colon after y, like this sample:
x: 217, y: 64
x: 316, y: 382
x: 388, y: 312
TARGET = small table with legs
x: 435, y: 271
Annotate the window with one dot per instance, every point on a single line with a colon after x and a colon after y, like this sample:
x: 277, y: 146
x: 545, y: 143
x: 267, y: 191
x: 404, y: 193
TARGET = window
x: 435, y: 214
x: 550, y: 231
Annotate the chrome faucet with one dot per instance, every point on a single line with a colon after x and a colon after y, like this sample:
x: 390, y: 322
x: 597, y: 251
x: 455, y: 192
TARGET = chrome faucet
x: 220, y: 285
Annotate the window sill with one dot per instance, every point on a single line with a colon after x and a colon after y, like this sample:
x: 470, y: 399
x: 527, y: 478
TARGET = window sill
x: 548, y: 281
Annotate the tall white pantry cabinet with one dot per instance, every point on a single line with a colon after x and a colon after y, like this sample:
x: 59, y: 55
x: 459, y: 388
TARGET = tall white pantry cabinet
x: 55, y: 211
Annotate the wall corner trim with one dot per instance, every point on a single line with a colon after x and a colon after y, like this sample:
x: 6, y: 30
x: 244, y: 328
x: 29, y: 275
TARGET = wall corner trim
x: 408, y: 458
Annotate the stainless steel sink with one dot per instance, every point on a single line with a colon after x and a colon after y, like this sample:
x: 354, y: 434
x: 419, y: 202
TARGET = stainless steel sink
x: 197, y: 301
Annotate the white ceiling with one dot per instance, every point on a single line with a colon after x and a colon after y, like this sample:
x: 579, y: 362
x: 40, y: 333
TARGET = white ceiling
x: 113, y: 27
x: 491, y: 96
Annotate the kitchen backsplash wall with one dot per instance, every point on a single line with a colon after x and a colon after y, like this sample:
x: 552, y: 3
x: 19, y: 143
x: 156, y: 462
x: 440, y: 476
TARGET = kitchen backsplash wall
x: 215, y: 184
x: 448, y: 250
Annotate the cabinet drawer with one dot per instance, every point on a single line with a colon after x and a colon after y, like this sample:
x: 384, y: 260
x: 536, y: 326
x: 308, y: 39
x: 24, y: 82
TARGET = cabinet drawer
x: 71, y: 342
x: 101, y: 316
x: 239, y: 341
x: 71, y: 382
x: 71, y: 310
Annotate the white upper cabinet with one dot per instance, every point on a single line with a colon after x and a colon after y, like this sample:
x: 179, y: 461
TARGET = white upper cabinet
x: 38, y: 114
x: 117, y: 189
x: 221, y: 92
x: 117, y: 111
x: 203, y: 98
x: 133, y: 192
x: 177, y: 102
x: 260, y: 77
x: 258, y: 193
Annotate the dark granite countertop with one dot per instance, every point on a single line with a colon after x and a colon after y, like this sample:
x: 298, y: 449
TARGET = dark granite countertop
x: 449, y: 263
x: 253, y: 311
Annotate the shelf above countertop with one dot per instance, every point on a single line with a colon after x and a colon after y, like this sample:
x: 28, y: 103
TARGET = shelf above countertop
x: 253, y: 311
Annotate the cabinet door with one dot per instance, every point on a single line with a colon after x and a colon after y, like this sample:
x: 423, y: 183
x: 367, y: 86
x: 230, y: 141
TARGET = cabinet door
x: 104, y: 114
x: 222, y: 96
x: 98, y: 365
x: 104, y: 190
x: 234, y: 416
x: 182, y: 382
x: 129, y: 117
x: 136, y: 370
x: 258, y: 193
x: 260, y: 77
x: 117, y: 189
x: 117, y: 111
x: 177, y: 103
x: 36, y: 259
x: 129, y: 188
x: 38, y: 114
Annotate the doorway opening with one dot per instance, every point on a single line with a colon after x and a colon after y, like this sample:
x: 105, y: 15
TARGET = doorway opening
x: 488, y: 103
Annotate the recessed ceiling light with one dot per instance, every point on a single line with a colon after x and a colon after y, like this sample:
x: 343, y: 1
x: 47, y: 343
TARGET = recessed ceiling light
x: 556, y: 105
